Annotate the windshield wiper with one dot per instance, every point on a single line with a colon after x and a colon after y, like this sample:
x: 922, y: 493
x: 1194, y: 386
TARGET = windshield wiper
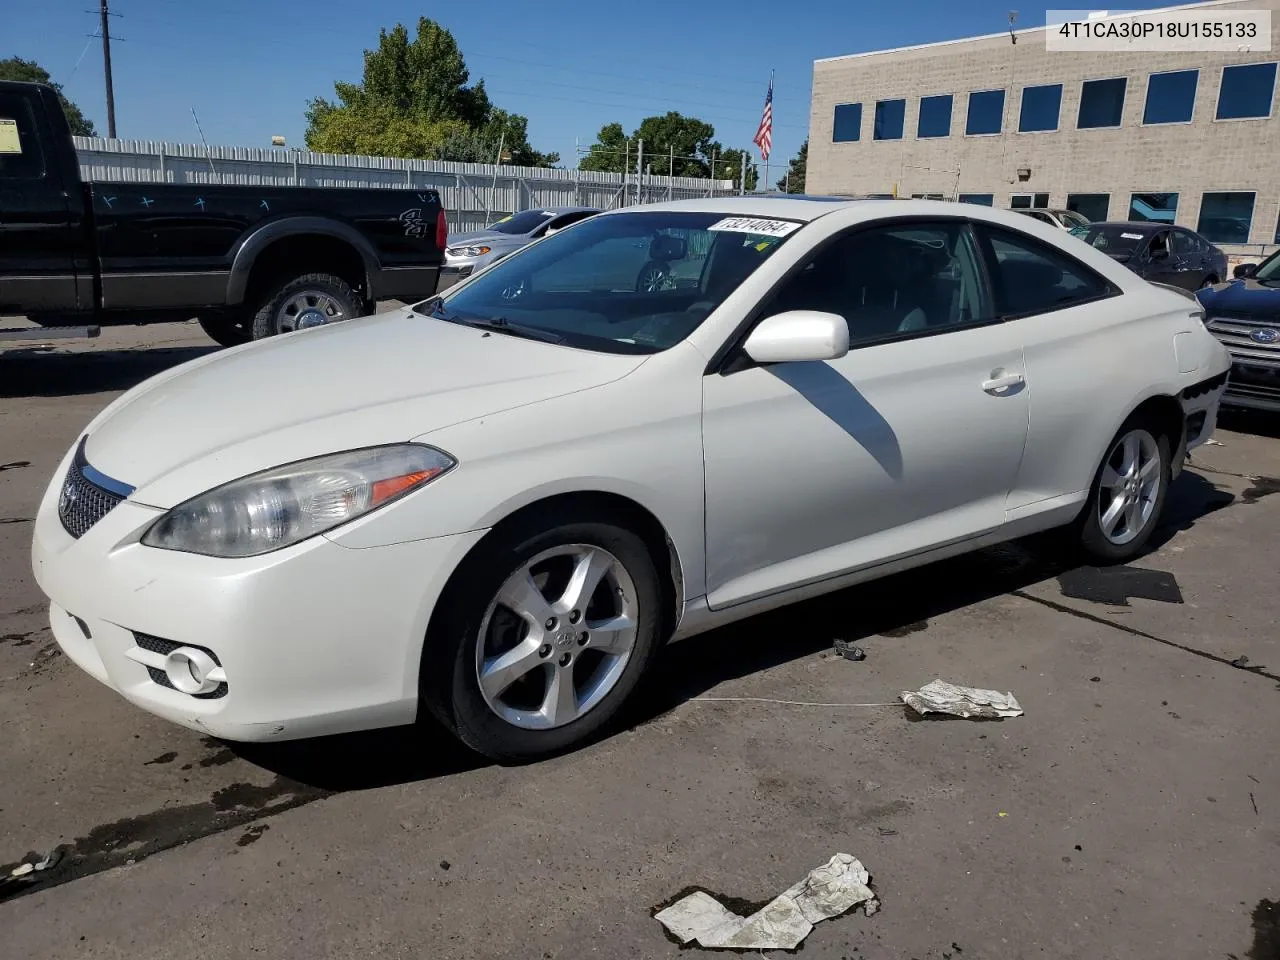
x: 503, y: 325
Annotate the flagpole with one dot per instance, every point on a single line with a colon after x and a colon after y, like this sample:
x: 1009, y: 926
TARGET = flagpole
x: 766, y: 159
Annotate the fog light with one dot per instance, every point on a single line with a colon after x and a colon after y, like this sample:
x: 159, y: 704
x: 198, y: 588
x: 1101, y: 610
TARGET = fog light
x: 192, y: 671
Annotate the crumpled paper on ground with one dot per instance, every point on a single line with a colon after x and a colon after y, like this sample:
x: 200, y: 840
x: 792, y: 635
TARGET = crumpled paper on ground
x: 942, y: 697
x: 826, y: 891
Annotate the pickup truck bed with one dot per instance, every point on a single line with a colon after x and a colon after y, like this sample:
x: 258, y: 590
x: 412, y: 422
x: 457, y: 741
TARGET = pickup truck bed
x: 246, y: 261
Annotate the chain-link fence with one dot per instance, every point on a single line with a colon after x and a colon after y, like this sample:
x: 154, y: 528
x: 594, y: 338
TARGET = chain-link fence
x: 474, y: 194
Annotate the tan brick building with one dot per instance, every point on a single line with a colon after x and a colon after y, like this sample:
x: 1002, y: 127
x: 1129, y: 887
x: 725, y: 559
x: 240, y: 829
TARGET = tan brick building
x: 1191, y: 137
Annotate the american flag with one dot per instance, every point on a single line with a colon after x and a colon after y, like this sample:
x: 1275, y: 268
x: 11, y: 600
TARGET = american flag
x: 764, y: 134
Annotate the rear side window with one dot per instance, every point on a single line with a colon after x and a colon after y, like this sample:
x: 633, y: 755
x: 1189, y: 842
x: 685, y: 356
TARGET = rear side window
x: 20, y: 154
x: 1030, y: 277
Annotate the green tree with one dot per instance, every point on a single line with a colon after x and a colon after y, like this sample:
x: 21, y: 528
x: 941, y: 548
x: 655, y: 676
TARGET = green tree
x: 414, y: 101
x: 692, y: 141
x: 793, y: 180
x: 15, y: 68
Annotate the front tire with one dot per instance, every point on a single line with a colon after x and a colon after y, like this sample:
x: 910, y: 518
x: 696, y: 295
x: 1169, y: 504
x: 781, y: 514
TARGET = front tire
x: 542, y: 638
x: 299, y: 303
x: 1128, y: 493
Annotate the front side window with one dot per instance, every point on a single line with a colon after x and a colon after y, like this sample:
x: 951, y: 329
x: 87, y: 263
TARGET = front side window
x: 892, y: 281
x: 1226, y: 217
x: 935, y: 117
x: 847, y: 121
x: 890, y: 116
x: 620, y: 283
x: 1154, y: 207
x: 1101, y: 103
x: 520, y: 223
x: 986, y: 113
x: 20, y: 154
x: 1091, y: 206
x: 1246, y: 91
x: 1031, y: 277
x: 1171, y: 97
x: 1040, y: 106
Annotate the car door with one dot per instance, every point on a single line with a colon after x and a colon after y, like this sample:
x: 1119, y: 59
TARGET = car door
x: 1068, y: 320
x: 1187, y: 260
x: 1155, y: 260
x: 910, y: 441
x: 37, y: 243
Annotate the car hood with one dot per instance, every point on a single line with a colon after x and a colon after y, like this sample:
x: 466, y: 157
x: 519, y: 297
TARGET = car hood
x: 488, y: 239
x: 1247, y: 297
x: 376, y: 380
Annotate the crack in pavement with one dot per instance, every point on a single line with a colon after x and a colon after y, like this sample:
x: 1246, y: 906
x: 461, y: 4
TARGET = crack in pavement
x: 1134, y: 631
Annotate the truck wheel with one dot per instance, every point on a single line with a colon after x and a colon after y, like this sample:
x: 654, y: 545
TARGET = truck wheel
x: 226, y: 329
x: 299, y: 303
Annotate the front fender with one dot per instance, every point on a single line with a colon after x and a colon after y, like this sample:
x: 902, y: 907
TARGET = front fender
x: 247, y: 248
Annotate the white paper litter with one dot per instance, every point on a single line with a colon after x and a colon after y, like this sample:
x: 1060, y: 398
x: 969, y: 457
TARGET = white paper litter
x: 826, y: 891
x: 942, y: 697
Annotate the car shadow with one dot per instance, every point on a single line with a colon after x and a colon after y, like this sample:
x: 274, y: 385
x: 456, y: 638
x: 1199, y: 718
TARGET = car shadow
x: 894, y: 605
x: 39, y: 373
x: 1259, y: 423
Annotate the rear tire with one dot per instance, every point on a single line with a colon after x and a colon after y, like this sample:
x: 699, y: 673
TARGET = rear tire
x: 1128, y: 493
x: 296, y: 303
x: 226, y: 329
x: 514, y: 714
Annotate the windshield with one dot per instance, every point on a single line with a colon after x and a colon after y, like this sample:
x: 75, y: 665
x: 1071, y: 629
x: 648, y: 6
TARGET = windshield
x: 524, y: 222
x: 1113, y: 239
x: 622, y: 283
x: 1269, y: 269
x: 1073, y: 219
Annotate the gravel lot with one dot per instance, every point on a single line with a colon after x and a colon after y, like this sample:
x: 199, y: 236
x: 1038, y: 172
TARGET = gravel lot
x: 1134, y: 811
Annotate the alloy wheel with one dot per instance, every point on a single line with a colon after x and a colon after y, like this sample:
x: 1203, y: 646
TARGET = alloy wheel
x: 557, y: 637
x: 1129, y: 486
x: 308, y: 308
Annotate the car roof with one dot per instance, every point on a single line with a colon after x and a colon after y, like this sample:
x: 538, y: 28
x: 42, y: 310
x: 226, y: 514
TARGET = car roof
x: 558, y: 211
x: 786, y: 206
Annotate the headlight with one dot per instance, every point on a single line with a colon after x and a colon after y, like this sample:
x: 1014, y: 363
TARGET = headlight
x: 466, y: 251
x: 282, y: 506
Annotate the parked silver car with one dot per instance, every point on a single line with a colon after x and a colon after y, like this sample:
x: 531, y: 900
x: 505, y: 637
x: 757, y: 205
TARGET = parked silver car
x: 1062, y: 219
x: 469, y: 252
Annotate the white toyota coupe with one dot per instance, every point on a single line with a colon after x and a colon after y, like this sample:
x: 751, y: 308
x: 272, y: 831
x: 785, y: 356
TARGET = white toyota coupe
x: 497, y: 505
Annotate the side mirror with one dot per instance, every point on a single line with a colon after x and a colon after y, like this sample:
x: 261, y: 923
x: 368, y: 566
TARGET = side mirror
x: 798, y: 335
x: 1243, y: 270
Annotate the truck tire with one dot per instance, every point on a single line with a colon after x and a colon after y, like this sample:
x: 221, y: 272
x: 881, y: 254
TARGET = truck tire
x: 298, y: 303
x: 226, y: 329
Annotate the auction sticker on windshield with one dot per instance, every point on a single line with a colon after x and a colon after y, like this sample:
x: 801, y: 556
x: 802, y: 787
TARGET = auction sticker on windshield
x: 765, y: 228
x: 1131, y: 236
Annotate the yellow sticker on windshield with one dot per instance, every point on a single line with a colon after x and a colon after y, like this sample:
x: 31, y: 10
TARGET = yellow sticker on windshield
x: 763, y: 245
x: 9, y: 142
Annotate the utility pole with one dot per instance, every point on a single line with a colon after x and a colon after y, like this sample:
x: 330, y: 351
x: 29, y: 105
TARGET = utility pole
x: 742, y: 184
x: 639, y: 171
x: 106, y: 66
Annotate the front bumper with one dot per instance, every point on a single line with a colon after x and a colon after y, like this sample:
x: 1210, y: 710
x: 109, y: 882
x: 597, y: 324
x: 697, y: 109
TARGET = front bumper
x: 315, y: 639
x: 451, y: 274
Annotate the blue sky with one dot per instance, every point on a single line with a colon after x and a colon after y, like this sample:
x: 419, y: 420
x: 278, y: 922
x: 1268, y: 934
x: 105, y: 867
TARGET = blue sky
x: 249, y: 67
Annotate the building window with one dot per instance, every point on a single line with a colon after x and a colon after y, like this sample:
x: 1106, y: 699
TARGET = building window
x: 935, y: 117
x: 1025, y: 201
x: 1226, y: 217
x: 1092, y: 206
x: 848, y: 123
x: 1159, y: 207
x: 1246, y: 91
x: 890, y: 115
x: 1171, y: 97
x: 1101, y: 103
x: 986, y: 113
x: 1277, y: 240
x: 989, y: 199
x: 1040, y: 106
x: 928, y: 196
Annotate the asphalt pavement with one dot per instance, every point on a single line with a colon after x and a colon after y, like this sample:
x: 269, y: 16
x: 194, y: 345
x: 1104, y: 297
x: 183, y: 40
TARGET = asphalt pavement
x: 1133, y: 811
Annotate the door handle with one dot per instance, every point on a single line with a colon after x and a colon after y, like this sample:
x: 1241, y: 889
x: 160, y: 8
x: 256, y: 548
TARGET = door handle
x: 1002, y: 382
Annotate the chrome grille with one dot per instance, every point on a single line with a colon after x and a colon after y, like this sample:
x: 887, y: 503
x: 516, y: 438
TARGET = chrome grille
x: 1236, y: 334
x: 82, y: 502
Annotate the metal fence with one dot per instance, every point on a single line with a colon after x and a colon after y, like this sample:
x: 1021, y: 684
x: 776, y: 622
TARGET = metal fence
x: 474, y: 194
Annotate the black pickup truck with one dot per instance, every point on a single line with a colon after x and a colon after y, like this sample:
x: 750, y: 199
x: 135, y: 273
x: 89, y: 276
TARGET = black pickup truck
x: 246, y: 261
